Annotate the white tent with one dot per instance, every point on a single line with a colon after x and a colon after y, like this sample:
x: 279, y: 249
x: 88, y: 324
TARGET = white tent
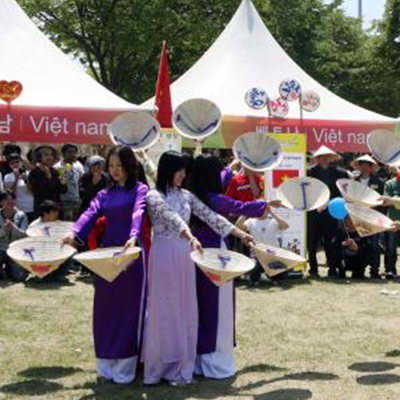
x: 246, y: 55
x: 51, y: 80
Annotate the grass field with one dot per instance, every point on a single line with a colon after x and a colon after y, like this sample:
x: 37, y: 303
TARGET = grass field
x: 318, y: 339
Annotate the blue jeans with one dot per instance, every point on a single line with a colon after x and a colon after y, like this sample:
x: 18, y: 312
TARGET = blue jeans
x: 15, y: 272
x: 392, y: 241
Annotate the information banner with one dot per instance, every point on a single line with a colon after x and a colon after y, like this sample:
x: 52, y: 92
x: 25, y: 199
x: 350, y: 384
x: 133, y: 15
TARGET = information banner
x: 294, y: 147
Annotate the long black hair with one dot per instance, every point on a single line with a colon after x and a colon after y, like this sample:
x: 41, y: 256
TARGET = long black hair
x: 170, y: 163
x: 206, y: 177
x: 128, y: 162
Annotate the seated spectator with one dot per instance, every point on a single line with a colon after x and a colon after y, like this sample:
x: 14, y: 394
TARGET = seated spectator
x: 44, y: 180
x: 48, y: 212
x: 71, y: 172
x: 13, y: 224
x: 265, y: 230
x: 92, y: 181
x: 17, y: 182
x: 357, y: 252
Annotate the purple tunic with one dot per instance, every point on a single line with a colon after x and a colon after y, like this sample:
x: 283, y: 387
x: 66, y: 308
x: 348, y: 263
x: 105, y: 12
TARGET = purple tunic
x: 207, y: 292
x: 117, y: 305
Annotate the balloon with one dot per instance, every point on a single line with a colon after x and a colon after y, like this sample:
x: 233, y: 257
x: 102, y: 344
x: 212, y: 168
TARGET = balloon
x: 337, y: 208
x: 9, y: 91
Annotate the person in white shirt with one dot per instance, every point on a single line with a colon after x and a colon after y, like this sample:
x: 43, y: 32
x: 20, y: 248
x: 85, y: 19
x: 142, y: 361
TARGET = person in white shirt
x: 71, y: 172
x: 265, y: 230
x: 17, y: 182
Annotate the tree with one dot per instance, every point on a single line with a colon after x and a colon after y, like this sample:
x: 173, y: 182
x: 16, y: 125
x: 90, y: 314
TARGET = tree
x: 120, y: 40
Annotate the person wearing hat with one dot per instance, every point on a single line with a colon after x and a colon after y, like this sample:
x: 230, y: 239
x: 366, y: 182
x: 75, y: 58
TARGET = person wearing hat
x: 366, y: 168
x: 44, y: 179
x: 392, y: 190
x: 320, y: 225
x: 71, y: 171
x: 92, y: 181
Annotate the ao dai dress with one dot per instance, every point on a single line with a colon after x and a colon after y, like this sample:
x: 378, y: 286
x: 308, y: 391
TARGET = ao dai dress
x: 118, y: 306
x: 170, y: 338
x: 216, y: 304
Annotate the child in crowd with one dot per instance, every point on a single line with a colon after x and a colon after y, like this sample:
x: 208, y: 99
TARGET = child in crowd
x: 48, y: 212
x: 13, y: 224
x: 265, y: 230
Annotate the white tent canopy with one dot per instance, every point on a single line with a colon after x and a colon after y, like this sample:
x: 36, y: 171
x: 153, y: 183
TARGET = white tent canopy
x: 246, y: 55
x: 49, y: 77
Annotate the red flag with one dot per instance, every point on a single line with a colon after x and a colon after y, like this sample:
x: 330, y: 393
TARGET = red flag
x: 163, y: 92
x: 282, y: 175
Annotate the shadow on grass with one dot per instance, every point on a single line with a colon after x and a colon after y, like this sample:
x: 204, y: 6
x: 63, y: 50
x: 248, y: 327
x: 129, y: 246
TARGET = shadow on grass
x: 285, y: 394
x: 393, y: 353
x: 203, y: 389
x: 301, y: 376
x: 39, y: 284
x: 373, y: 366
x: 33, y: 387
x: 281, y: 286
x: 260, y: 368
x: 378, y: 379
x: 49, y: 372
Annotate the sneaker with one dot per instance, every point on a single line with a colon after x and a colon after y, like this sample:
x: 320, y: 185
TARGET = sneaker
x: 391, y: 276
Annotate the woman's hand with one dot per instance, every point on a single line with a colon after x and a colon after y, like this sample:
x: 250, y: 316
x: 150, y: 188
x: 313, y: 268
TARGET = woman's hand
x: 196, y: 245
x: 387, y: 201
x: 274, y: 204
x: 247, y: 239
x: 69, y: 239
x: 130, y: 243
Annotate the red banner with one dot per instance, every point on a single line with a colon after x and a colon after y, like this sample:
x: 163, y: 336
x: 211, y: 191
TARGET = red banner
x: 55, y: 125
x: 338, y: 135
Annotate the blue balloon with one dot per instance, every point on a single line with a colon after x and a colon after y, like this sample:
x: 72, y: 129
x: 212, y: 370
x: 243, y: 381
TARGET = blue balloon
x: 337, y: 208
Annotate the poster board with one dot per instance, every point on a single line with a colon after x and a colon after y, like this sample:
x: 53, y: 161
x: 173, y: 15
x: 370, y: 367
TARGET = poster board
x: 294, y: 147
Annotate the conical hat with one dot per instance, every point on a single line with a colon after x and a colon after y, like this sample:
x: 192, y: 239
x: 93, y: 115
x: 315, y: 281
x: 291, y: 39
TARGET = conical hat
x: 365, y: 158
x: 303, y: 194
x: 135, y: 129
x: 385, y: 147
x: 257, y: 151
x: 55, y: 230
x: 275, y: 260
x: 222, y: 265
x: 325, y: 151
x: 356, y: 192
x: 108, y: 263
x: 40, y: 256
x: 368, y: 221
x: 197, y: 118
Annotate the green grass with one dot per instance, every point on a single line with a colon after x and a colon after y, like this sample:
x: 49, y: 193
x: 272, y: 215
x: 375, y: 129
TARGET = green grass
x: 321, y: 339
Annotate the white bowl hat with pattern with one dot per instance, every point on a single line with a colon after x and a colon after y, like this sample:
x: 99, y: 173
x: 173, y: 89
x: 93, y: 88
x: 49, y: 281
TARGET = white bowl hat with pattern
x: 135, y: 129
x: 303, y: 194
x: 275, y: 260
x: 357, y: 192
x: 385, y: 147
x: 221, y: 265
x: 108, y: 262
x: 257, y: 151
x: 41, y: 255
x: 368, y: 221
x: 55, y: 230
x: 197, y: 118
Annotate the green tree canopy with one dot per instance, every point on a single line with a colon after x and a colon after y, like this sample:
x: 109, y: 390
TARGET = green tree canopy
x: 120, y: 40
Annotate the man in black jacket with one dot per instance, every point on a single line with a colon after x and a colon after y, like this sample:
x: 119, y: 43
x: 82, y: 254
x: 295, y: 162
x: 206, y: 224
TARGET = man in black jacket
x: 366, y: 167
x: 320, y: 225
